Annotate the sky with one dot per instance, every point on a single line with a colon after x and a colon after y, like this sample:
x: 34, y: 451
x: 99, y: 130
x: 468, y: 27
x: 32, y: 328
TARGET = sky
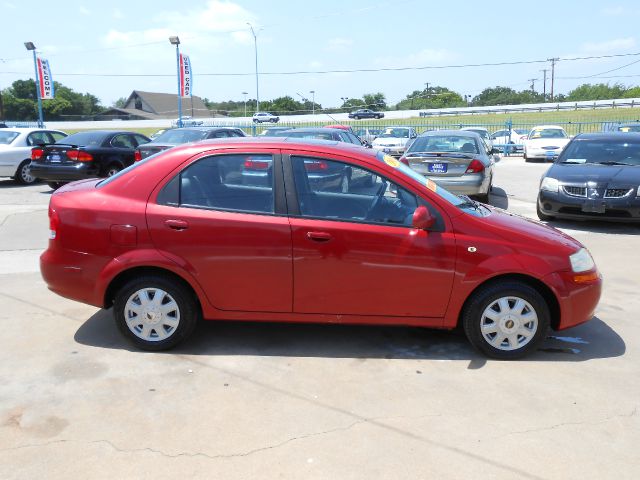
x: 111, y: 48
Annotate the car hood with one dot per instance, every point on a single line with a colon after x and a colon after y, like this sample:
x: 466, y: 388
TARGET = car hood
x: 547, y: 142
x: 593, y: 172
x: 520, y: 230
x: 390, y: 141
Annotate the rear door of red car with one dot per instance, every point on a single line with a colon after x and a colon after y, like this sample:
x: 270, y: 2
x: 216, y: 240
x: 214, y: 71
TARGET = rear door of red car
x: 355, y: 255
x: 223, y: 218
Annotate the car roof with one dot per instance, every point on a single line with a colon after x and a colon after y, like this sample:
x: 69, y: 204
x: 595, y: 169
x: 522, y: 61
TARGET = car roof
x: 459, y: 133
x: 475, y: 128
x: 547, y: 126
x: 28, y: 129
x: 312, y: 130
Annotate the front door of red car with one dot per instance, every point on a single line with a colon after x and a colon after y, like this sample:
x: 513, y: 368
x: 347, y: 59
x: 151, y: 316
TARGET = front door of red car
x: 222, y: 218
x: 354, y: 250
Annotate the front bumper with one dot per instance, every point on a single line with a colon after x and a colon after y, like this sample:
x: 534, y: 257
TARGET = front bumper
x: 542, y: 154
x: 577, y: 301
x: 560, y: 205
x: 66, y: 173
x: 394, y: 151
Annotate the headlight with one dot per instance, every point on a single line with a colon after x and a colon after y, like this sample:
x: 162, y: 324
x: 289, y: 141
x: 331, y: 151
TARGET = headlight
x: 581, y: 261
x: 550, y: 184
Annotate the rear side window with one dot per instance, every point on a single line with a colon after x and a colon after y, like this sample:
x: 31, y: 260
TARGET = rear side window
x: 38, y: 138
x: 242, y: 183
x: 57, y: 136
x: 123, y: 141
x: 7, y: 137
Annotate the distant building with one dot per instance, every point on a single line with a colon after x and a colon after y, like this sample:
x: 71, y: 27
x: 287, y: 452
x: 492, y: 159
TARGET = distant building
x: 152, y: 106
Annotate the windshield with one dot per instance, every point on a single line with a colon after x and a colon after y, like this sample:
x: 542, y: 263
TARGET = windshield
x: 83, y: 139
x: 7, y: 137
x: 180, y: 136
x: 547, y: 133
x: 613, y: 151
x: 423, y: 181
x: 443, y: 143
x: 521, y: 131
x: 395, y: 133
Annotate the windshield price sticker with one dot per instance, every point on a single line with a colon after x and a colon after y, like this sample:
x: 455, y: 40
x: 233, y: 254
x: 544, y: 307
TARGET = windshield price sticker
x: 431, y: 185
x: 392, y: 162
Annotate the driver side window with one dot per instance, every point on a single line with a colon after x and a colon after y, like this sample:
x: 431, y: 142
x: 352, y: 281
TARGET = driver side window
x: 333, y: 190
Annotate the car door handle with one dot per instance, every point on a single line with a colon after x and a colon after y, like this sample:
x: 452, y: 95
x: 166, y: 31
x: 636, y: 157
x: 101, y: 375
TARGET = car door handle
x: 176, y: 224
x: 319, y: 236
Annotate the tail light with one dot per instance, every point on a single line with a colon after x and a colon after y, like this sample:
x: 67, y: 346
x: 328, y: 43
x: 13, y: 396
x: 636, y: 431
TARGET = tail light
x: 404, y: 160
x: 251, y: 164
x: 79, y: 156
x: 137, y: 156
x: 54, y: 223
x: 475, y: 166
x: 315, y: 165
x: 37, y: 153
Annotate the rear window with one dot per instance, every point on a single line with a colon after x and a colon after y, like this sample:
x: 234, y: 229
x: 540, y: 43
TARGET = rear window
x: 83, y: 139
x: 7, y: 137
x: 181, y: 136
x: 444, y: 143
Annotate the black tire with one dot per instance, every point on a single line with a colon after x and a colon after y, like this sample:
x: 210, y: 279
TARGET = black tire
x: 488, y: 295
x: 356, y: 117
x: 112, y: 169
x: 524, y: 155
x: 542, y: 216
x: 187, y: 308
x: 55, y: 185
x: 23, y: 174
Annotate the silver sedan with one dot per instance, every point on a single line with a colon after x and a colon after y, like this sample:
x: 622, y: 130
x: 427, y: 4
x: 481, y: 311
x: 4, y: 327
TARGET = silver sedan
x: 460, y: 161
x: 15, y: 150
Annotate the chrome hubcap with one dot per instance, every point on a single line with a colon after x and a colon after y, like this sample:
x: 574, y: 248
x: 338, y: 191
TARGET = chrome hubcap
x: 25, y: 173
x: 152, y: 314
x: 509, y: 323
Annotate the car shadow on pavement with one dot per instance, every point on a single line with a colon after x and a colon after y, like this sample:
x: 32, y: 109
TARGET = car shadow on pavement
x: 596, y: 227
x: 498, y: 198
x: 592, y: 340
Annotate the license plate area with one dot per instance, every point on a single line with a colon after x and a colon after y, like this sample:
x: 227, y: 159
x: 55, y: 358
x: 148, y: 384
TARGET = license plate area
x: 437, y: 168
x: 54, y: 158
x: 594, y: 207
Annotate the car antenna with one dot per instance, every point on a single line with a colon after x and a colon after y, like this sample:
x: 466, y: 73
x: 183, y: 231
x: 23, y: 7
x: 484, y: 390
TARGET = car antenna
x: 337, y: 121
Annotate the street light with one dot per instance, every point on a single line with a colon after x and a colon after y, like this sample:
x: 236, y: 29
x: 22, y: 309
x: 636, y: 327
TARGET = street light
x: 313, y: 101
x: 245, y: 102
x: 255, y: 44
x: 32, y: 47
x: 176, y: 41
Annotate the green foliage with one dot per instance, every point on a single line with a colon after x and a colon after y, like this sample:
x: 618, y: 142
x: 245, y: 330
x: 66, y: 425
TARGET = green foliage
x: 433, y: 97
x: 120, y: 103
x: 20, y: 102
x: 598, y: 91
x: 507, y: 96
x: 375, y: 101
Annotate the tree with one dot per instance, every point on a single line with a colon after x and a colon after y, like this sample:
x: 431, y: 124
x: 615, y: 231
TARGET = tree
x: 376, y: 101
x: 120, y: 103
x: 433, y: 97
x: 598, y: 91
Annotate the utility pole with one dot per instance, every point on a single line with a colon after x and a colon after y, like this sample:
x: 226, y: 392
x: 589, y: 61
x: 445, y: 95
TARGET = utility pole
x: 544, y: 84
x: 553, y: 71
x: 533, y: 84
x: 427, y: 90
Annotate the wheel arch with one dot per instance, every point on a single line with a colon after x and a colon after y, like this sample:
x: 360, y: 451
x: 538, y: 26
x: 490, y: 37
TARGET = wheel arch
x: 546, y: 292
x: 123, y: 277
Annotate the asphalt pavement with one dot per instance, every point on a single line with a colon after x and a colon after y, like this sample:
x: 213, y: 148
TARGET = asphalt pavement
x: 262, y: 401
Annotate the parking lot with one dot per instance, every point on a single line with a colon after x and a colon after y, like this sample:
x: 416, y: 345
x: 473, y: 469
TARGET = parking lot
x: 244, y: 400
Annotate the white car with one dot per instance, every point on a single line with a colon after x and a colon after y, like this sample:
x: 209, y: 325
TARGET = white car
x: 15, y: 150
x: 483, y: 132
x: 515, y: 136
x: 395, y: 140
x: 545, y: 142
x: 187, y: 121
x: 261, y: 117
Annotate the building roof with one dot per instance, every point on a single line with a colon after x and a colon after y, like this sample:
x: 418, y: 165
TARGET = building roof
x: 165, y: 105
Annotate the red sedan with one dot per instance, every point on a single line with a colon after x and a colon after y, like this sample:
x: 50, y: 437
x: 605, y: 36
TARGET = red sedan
x: 187, y: 235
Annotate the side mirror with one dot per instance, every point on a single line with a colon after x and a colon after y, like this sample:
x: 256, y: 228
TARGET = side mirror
x: 495, y: 150
x: 422, y: 218
x: 367, y: 144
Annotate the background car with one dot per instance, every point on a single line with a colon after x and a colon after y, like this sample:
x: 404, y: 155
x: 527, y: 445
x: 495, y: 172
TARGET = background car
x: 187, y: 121
x: 394, y: 140
x: 322, y: 133
x: 271, y: 131
x: 177, y: 136
x: 597, y: 176
x: 457, y: 160
x: 368, y: 134
x: 545, y: 143
x: 365, y: 113
x: 261, y: 117
x: 515, y: 136
x: 172, y: 241
x: 483, y: 132
x: 92, y: 153
x: 15, y: 151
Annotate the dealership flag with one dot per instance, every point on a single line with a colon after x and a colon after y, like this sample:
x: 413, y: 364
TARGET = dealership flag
x: 186, y: 80
x: 47, y: 90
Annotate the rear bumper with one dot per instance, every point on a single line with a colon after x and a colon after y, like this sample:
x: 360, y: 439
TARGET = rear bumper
x: 78, y: 171
x: 467, y: 185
